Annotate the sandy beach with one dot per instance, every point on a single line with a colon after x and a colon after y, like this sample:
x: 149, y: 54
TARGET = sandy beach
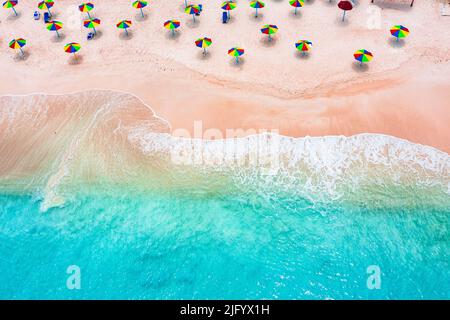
x: 403, y: 92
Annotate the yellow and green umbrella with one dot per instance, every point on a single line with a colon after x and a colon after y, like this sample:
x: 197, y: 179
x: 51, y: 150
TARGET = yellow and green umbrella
x: 91, y: 24
x: 139, y: 5
x: 46, y: 5
x: 86, y: 7
x: 10, y: 4
x: 303, y: 46
x: 72, y: 47
x: 192, y: 9
x: 172, y: 25
x: 54, y: 26
x: 399, y: 31
x: 257, y: 5
x: 203, y: 43
x: 18, y: 44
x: 124, y: 24
x: 363, y: 56
x: 236, y: 52
x: 269, y: 29
x: 296, y: 4
x: 228, y: 6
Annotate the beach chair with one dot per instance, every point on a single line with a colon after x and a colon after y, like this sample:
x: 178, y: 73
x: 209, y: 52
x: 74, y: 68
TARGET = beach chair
x: 47, y: 17
x: 90, y: 35
x: 36, y: 15
x: 224, y: 17
x: 412, y: 2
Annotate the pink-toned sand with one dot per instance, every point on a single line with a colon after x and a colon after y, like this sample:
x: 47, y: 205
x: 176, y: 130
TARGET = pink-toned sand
x: 404, y: 91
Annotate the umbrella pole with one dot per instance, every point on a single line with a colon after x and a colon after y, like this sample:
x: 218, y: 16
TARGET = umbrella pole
x: 126, y: 31
x: 237, y: 60
x: 21, y: 51
x: 343, y: 16
x: 185, y: 3
x: 15, y: 12
x: 256, y: 14
x: 173, y: 32
x: 95, y: 31
x: 49, y: 12
x: 57, y: 33
x: 204, y: 50
x: 142, y: 13
x: 193, y: 16
x: 89, y: 15
x: 295, y: 10
x: 229, y: 15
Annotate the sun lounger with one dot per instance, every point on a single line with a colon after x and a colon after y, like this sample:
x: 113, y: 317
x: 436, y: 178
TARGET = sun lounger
x: 224, y: 17
x: 47, y: 17
x: 90, y: 35
x: 36, y: 15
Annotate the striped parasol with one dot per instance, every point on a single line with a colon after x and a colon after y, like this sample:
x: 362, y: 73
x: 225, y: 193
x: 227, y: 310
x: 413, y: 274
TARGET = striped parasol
x: 91, y: 24
x: 18, y: 44
x: 86, y: 7
x: 10, y: 4
x: 203, y: 43
x: 124, y: 24
x: 303, y: 46
x: 296, y: 4
x: 257, y: 5
x: 193, y: 10
x: 399, y: 31
x: 228, y: 6
x: 54, y: 26
x: 139, y: 4
x: 236, y: 52
x: 72, y: 47
x: 269, y: 29
x: 46, y: 5
x: 363, y: 55
x: 172, y: 25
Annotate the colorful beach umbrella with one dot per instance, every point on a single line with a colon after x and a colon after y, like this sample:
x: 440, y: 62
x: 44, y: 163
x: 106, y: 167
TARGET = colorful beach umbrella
x: 139, y: 5
x: 303, y: 46
x: 172, y: 25
x: 257, y: 5
x: 269, y: 29
x: 192, y: 9
x: 346, y: 6
x: 18, y: 44
x: 72, y: 47
x: 399, y: 31
x: 296, y: 4
x: 236, y: 52
x: 10, y: 4
x: 228, y: 6
x: 363, y: 55
x: 86, y: 7
x: 203, y: 43
x: 46, y: 5
x: 91, y: 24
x: 54, y: 26
x: 124, y: 24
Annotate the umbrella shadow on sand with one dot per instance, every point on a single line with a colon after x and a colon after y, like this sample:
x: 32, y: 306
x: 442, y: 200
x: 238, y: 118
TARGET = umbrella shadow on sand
x: 126, y: 36
x: 341, y: 23
x: 19, y: 57
x: 13, y: 17
x: 268, y: 43
x: 193, y: 24
x: 236, y: 65
x: 204, y: 56
x: 173, y: 35
x: 258, y: 18
x: 292, y: 14
x: 302, y: 56
x: 75, y: 60
x: 396, y: 44
x: 358, y: 67
x: 139, y: 17
x: 98, y: 34
x: 56, y: 39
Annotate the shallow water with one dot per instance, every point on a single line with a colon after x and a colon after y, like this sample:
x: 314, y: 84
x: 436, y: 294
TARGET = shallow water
x: 147, y: 215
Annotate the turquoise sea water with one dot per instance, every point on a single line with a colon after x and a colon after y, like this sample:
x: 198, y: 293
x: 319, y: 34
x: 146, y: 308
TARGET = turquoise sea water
x: 172, y: 245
